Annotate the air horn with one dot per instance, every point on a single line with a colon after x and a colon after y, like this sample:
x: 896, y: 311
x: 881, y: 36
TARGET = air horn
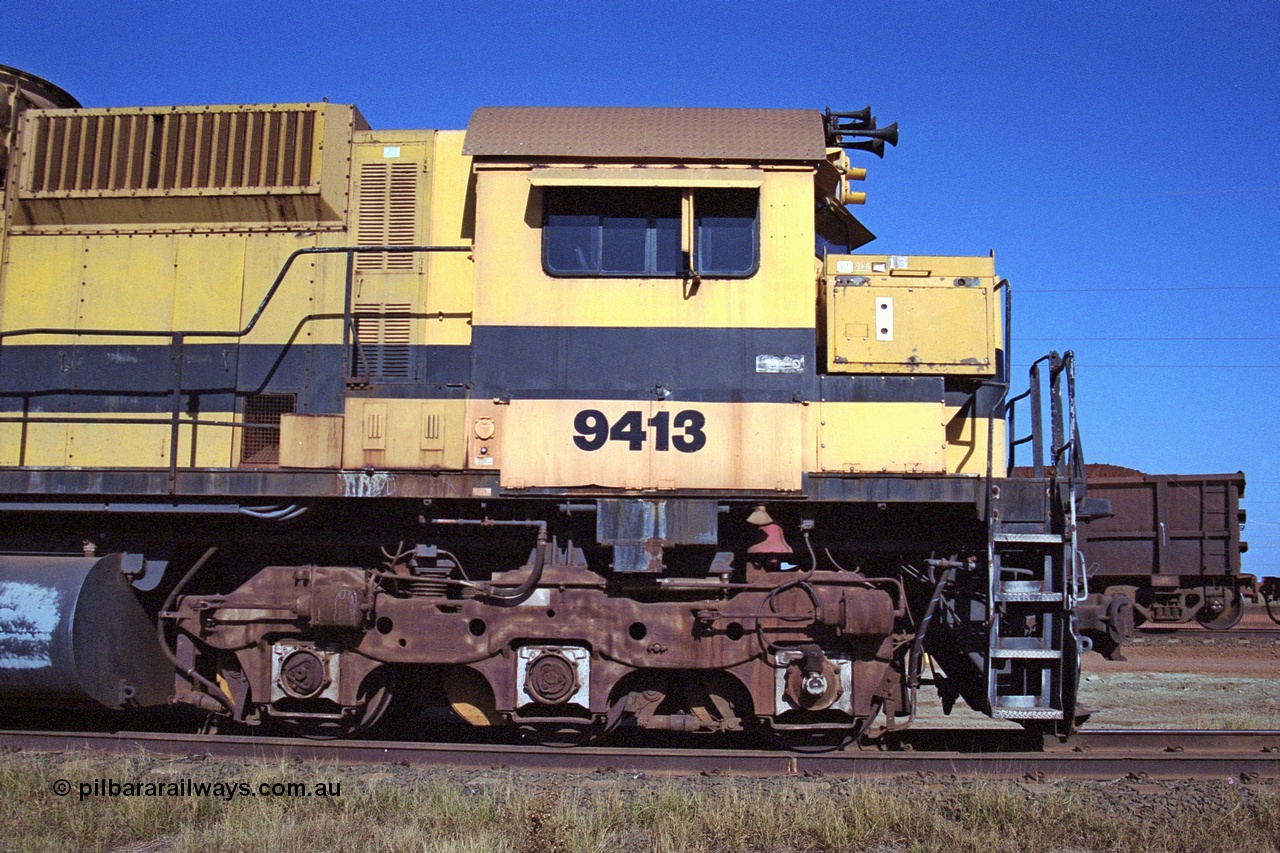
x: 857, y: 131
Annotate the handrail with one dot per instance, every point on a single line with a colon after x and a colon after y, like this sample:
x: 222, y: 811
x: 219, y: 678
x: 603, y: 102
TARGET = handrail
x: 177, y: 344
x: 350, y: 251
x: 1066, y: 455
x: 1004, y: 386
x: 1036, y: 434
x: 1065, y: 452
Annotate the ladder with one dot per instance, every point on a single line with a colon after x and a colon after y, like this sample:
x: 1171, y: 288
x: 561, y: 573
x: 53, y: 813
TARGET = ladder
x: 1032, y: 652
x: 1036, y: 574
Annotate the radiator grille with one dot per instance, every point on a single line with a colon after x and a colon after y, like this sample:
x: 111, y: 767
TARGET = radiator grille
x: 260, y: 444
x: 384, y: 338
x: 388, y: 213
x: 207, y: 150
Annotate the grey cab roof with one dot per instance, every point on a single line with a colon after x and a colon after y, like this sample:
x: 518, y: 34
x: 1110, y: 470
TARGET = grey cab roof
x: 650, y: 133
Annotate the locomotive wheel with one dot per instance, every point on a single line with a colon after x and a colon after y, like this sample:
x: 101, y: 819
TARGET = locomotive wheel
x: 378, y: 690
x: 1267, y: 600
x: 470, y: 697
x: 1228, y: 618
x: 810, y: 742
x: 323, y: 730
x: 562, y: 736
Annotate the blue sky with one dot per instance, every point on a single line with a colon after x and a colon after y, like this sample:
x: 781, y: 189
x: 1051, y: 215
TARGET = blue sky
x: 1120, y: 158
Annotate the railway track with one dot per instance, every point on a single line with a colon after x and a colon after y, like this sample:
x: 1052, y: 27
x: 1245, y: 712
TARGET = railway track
x: 1098, y: 755
x: 1197, y: 632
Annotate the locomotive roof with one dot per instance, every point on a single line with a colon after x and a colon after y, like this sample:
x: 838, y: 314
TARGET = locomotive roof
x: 665, y: 133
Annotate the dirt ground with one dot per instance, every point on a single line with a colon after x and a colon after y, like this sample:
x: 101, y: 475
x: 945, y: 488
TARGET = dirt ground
x: 1185, y: 682
x: 1175, y: 680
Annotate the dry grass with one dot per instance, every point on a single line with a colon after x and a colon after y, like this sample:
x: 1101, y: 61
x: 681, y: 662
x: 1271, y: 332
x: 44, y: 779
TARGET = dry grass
x: 396, y: 809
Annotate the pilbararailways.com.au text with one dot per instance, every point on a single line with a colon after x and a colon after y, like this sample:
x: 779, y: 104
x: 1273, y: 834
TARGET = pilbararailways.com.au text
x: 227, y: 791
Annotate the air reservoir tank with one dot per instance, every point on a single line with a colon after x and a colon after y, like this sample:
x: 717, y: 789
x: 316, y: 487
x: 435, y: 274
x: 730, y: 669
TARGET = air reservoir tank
x: 72, y: 631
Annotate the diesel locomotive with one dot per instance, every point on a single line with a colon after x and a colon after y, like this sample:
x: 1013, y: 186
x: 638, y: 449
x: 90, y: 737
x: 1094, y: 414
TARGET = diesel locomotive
x: 578, y: 419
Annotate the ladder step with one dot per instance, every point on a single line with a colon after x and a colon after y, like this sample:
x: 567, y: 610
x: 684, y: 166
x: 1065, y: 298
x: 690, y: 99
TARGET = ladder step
x: 1030, y: 538
x: 1042, y: 654
x: 1027, y: 714
x: 1023, y: 647
x: 1026, y: 591
x: 1029, y: 596
x: 1023, y: 708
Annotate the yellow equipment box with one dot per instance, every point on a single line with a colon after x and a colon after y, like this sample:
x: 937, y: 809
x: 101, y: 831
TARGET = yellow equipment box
x: 911, y: 314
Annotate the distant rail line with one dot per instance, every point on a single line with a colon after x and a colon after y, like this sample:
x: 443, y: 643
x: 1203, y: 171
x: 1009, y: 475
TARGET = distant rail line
x: 1194, y: 631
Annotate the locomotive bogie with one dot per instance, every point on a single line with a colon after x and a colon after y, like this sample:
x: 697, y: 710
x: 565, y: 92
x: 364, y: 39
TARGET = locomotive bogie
x: 315, y: 633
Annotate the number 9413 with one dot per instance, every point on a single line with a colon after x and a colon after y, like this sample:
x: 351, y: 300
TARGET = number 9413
x: 684, y: 431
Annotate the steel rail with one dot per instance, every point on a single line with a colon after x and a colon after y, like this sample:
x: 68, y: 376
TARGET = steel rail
x: 1101, y: 755
x: 1198, y: 632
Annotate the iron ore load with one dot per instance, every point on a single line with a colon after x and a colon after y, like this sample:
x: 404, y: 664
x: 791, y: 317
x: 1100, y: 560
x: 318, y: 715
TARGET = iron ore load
x: 576, y: 419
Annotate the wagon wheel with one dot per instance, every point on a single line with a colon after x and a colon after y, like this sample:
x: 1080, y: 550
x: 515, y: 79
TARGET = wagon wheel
x: 1228, y: 618
x: 1270, y: 590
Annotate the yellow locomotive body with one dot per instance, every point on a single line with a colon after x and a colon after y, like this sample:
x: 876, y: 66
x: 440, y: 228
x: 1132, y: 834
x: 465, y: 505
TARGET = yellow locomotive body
x: 607, y: 324
x: 192, y: 246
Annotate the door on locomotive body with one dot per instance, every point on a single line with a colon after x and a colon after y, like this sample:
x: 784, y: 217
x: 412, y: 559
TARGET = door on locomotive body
x: 408, y: 359
x: 643, y: 328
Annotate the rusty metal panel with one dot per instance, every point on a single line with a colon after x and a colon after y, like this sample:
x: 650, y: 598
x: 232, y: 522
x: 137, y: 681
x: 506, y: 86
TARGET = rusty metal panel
x: 311, y: 441
x: 675, y: 522
x: 1167, y: 525
x: 662, y: 133
x: 217, y: 487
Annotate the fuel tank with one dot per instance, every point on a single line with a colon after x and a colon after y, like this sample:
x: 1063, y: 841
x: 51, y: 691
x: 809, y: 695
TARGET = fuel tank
x: 72, y: 632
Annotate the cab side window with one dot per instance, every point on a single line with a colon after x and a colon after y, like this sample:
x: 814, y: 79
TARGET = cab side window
x: 629, y: 232
x: 726, y: 234
x: 602, y: 231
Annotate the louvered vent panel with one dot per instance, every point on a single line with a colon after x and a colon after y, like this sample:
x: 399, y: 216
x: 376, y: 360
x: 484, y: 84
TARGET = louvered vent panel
x: 371, y: 220
x: 384, y: 342
x: 200, y: 151
x: 402, y: 213
x: 388, y: 213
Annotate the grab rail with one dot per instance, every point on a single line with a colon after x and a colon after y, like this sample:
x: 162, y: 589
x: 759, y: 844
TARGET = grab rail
x: 1066, y: 456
